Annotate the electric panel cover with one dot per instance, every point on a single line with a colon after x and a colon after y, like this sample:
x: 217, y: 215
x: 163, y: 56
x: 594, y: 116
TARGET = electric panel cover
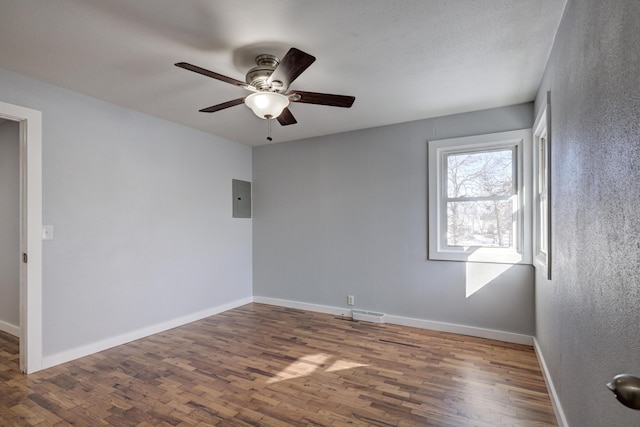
x: 241, y: 198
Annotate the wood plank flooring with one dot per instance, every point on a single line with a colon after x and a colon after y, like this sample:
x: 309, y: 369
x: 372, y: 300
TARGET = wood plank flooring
x: 261, y: 365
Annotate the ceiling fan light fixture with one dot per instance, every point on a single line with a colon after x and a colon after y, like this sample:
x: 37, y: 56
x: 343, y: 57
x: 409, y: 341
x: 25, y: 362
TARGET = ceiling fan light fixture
x: 267, y: 104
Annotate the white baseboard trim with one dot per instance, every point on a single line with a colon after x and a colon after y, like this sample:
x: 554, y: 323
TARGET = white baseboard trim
x: 555, y: 401
x: 86, y: 350
x: 406, y: 321
x: 473, y: 331
x: 336, y: 311
x: 9, y: 328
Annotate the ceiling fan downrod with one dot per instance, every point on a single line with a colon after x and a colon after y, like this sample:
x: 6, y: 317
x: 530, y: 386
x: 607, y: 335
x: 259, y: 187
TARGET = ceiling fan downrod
x: 269, y: 117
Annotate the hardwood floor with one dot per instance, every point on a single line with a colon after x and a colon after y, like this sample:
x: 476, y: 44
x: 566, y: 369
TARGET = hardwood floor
x: 260, y: 365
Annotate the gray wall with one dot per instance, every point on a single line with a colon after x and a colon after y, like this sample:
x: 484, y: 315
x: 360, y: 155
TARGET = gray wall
x: 9, y: 224
x: 141, y: 210
x: 347, y: 214
x: 588, y: 315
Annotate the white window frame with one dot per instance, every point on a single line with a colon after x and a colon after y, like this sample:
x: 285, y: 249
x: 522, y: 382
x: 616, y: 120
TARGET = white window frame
x: 542, y: 189
x: 438, y: 150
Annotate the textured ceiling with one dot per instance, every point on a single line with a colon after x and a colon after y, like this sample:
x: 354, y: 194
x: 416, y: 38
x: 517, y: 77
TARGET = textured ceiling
x: 403, y: 60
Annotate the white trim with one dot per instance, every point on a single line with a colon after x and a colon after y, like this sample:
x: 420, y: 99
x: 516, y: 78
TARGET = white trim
x: 86, y: 350
x: 407, y: 321
x: 473, y: 331
x: 555, y: 400
x: 336, y: 311
x: 30, y: 233
x: 9, y: 328
x: 438, y: 150
x: 541, y: 127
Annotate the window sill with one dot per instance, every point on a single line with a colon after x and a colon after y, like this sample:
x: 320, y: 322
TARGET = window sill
x: 488, y: 255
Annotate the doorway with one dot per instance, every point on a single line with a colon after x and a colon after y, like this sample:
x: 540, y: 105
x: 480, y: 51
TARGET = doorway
x: 30, y: 233
x: 10, y: 229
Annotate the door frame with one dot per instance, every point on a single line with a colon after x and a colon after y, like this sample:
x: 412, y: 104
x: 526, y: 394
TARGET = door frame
x: 30, y: 233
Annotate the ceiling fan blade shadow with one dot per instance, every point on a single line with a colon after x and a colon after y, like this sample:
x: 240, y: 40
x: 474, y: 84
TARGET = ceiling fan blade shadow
x: 222, y: 106
x: 213, y: 75
x: 291, y: 66
x: 323, y: 99
x: 286, y: 118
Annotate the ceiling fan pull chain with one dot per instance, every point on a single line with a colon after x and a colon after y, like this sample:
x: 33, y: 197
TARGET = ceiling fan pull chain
x: 269, y: 117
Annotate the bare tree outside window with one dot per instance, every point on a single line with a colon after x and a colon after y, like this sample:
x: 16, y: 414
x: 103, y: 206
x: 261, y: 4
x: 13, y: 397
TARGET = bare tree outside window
x: 480, y: 197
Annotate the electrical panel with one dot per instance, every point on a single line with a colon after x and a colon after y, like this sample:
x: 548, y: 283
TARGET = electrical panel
x: 241, y: 191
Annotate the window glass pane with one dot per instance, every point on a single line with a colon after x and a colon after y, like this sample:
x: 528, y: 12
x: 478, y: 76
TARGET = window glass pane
x: 543, y: 228
x: 482, y: 174
x: 480, y: 223
x: 542, y: 164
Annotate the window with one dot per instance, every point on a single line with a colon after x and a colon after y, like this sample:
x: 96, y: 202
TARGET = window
x: 541, y: 192
x: 477, y: 198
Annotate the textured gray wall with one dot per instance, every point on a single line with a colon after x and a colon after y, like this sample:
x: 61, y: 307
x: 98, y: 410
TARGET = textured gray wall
x: 9, y: 223
x: 588, y: 316
x: 141, y: 210
x: 347, y: 214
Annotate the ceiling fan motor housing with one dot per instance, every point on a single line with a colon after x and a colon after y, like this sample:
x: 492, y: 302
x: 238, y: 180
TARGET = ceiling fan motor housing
x: 258, y: 76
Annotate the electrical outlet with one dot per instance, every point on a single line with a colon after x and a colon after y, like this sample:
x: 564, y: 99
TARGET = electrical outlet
x: 350, y: 300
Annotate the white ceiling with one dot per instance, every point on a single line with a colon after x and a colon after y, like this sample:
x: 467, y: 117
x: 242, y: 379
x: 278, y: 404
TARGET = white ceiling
x: 403, y: 60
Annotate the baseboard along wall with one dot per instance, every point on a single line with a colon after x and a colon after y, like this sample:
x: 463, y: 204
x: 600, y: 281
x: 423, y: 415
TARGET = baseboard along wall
x: 66, y: 356
x: 555, y: 400
x: 9, y: 328
x: 406, y: 321
x: 76, y: 353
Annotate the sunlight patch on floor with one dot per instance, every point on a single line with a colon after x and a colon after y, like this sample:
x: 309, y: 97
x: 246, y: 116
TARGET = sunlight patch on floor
x: 307, y: 365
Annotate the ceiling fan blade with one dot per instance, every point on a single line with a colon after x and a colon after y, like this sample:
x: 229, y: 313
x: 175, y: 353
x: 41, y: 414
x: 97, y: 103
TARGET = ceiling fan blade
x: 213, y: 75
x: 323, y: 99
x: 222, y: 106
x: 286, y: 118
x: 291, y: 66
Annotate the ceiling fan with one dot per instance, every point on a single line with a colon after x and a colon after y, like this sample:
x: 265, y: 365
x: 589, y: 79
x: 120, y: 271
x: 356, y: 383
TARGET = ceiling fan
x: 269, y: 81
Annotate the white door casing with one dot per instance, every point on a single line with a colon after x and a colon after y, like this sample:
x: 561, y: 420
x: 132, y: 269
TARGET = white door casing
x: 30, y: 233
